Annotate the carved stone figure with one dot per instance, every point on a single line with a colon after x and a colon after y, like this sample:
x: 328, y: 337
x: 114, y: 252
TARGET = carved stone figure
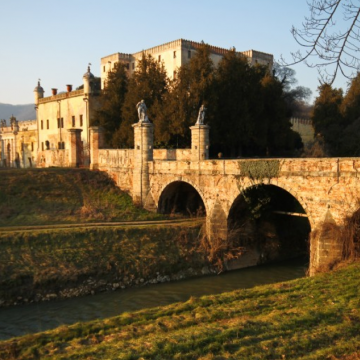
x: 201, y: 116
x: 141, y: 108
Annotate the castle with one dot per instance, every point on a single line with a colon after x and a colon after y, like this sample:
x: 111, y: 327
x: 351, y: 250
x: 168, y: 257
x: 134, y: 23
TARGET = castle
x: 60, y: 134
x: 175, y: 54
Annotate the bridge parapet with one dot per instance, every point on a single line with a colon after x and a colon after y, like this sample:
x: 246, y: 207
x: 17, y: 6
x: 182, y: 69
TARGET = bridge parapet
x: 172, y: 154
x: 296, y: 167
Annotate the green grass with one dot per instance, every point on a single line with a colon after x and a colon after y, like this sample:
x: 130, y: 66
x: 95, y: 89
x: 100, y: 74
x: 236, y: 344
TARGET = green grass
x: 311, y: 318
x: 59, y: 196
x: 50, y: 260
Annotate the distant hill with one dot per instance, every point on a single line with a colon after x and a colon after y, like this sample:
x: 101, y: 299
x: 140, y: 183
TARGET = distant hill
x: 21, y: 112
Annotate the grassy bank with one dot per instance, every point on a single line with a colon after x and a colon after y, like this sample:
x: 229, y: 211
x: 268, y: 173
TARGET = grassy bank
x: 59, y: 196
x: 49, y: 261
x: 311, y: 318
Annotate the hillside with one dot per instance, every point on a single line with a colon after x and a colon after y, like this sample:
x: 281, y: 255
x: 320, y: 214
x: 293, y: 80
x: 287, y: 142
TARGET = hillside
x: 59, y: 196
x: 310, y: 318
x: 21, y: 112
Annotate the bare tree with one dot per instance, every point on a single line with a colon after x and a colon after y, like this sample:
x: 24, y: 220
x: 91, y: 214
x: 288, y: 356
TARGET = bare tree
x: 331, y: 38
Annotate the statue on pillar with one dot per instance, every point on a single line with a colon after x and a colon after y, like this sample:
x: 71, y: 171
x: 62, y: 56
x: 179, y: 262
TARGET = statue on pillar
x: 201, y: 116
x: 142, y: 109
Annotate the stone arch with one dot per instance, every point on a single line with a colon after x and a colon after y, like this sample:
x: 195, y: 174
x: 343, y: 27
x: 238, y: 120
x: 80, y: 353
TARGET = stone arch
x: 167, y: 191
x: 298, y: 197
x: 261, y: 219
x: 283, y: 185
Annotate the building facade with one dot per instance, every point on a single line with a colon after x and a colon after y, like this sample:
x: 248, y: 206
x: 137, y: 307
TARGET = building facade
x: 18, y: 143
x: 173, y: 55
x: 63, y: 117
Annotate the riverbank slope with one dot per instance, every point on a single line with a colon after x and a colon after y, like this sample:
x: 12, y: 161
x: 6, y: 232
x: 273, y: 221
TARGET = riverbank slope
x: 309, y: 318
x: 63, y: 196
x: 50, y: 248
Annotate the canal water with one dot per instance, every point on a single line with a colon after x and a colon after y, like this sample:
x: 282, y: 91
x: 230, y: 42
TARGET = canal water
x: 31, y: 318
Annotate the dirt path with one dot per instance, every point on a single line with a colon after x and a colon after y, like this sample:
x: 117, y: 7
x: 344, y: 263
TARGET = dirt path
x: 172, y: 222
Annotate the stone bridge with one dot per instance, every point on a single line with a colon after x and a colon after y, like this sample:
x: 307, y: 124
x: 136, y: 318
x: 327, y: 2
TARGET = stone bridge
x: 321, y: 190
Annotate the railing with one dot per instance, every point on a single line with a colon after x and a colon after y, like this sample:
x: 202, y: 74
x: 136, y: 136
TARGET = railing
x: 62, y: 96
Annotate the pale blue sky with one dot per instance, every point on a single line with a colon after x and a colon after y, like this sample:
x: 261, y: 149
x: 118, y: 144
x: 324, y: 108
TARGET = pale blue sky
x: 55, y: 40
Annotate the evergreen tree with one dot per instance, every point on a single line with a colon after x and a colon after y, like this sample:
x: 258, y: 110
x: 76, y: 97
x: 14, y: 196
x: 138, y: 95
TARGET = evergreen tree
x: 149, y: 83
x: 280, y: 138
x: 191, y: 88
x: 238, y: 105
x: 350, y: 140
x: 109, y: 115
x: 327, y: 117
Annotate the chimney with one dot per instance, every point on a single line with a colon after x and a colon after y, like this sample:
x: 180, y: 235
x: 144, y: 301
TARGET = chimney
x: 69, y: 88
x: 54, y: 91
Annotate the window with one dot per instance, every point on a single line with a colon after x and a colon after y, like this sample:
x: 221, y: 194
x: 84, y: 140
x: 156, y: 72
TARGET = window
x: 47, y: 144
x: 58, y: 121
x: 189, y: 54
x: 42, y: 146
x: 159, y: 58
x: 32, y: 146
x: 73, y: 121
x: 47, y: 124
x: 104, y: 68
x: 81, y: 120
x: 61, y: 145
x: 62, y: 122
x: 127, y: 66
x: 174, y: 54
x: 174, y: 75
x: 42, y: 124
x: 133, y: 65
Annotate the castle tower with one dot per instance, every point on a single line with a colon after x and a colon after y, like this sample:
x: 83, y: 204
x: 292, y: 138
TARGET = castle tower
x: 87, y: 79
x: 38, y: 93
x: 143, y: 153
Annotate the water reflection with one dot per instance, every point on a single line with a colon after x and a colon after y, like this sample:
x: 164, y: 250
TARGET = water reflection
x: 32, y: 318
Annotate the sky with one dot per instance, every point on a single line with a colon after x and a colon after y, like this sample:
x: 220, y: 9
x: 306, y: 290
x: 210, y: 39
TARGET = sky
x: 55, y: 40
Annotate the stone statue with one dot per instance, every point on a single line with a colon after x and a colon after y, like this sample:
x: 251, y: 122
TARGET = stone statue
x: 201, y: 116
x: 141, y: 108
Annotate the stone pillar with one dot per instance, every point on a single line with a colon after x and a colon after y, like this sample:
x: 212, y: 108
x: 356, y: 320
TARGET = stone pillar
x: 326, y: 244
x: 143, y: 153
x: 96, y: 143
x: 74, y: 147
x: 200, y: 142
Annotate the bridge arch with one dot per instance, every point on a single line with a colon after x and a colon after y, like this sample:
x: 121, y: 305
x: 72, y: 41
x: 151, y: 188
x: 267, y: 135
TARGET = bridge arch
x: 245, y: 184
x: 181, y: 196
x: 270, y: 223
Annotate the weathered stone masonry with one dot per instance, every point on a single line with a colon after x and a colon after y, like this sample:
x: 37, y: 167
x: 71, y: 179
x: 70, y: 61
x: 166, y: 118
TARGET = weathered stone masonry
x: 326, y: 188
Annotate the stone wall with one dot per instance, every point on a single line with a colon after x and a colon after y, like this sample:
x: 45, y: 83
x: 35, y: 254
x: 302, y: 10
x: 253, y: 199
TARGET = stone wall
x: 54, y: 157
x: 119, y: 164
x: 305, y: 128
